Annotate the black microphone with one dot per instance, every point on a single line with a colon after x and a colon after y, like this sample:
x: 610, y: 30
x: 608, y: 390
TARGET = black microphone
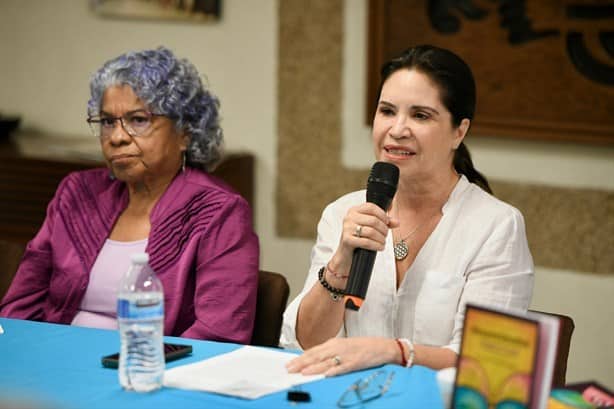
x: 381, y: 187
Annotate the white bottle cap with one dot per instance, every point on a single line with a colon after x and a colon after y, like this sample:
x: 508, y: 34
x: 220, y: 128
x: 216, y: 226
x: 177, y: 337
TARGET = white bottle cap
x: 140, y: 258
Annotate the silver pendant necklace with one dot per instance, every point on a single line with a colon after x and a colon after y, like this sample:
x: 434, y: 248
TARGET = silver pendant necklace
x: 401, y: 250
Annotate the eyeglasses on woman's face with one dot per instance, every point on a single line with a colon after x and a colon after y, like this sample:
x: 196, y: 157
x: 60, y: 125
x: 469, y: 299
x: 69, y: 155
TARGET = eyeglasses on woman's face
x: 135, y: 123
x: 366, y: 389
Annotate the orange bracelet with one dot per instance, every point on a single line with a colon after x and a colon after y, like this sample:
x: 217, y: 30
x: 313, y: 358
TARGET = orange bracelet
x: 403, y: 359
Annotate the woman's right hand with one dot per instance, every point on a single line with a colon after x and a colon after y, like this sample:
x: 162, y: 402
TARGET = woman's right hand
x: 317, y: 320
x: 372, y: 223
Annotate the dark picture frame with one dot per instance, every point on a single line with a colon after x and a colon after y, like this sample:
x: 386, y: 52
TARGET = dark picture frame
x: 544, y: 70
x: 170, y: 10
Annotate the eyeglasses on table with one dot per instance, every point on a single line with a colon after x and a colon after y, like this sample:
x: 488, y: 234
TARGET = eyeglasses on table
x: 366, y: 389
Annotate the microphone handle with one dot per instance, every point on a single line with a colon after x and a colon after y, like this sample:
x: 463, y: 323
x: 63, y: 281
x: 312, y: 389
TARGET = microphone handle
x: 362, y: 259
x: 360, y: 274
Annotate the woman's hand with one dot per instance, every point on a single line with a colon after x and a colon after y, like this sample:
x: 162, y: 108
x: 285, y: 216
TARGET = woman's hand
x: 364, y: 226
x: 341, y: 355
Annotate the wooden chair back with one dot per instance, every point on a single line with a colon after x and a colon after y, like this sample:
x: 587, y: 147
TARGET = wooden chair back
x: 566, y: 328
x: 273, y: 292
x: 10, y: 257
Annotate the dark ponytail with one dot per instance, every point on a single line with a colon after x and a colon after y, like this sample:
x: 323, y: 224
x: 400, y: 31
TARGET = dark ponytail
x: 464, y: 165
x: 456, y: 86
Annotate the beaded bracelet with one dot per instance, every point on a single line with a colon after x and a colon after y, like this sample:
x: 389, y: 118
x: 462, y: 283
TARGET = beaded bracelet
x: 335, y: 293
x: 412, y: 352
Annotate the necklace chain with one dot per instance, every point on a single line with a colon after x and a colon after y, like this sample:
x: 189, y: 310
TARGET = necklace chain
x: 401, y: 249
x: 413, y: 231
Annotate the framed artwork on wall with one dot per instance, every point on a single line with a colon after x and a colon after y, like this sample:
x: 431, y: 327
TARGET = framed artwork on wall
x: 178, y: 10
x: 543, y: 69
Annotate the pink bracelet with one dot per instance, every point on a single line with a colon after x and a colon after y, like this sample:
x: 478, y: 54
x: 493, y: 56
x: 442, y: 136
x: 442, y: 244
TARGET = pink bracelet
x: 339, y: 276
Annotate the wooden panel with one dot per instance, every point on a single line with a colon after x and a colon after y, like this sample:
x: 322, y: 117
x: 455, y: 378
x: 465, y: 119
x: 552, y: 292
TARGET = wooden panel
x: 237, y: 170
x: 27, y: 184
x: 26, y: 187
x: 544, y: 69
x: 10, y: 257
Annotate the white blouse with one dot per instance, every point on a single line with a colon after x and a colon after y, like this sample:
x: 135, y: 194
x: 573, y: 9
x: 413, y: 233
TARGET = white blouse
x: 478, y: 253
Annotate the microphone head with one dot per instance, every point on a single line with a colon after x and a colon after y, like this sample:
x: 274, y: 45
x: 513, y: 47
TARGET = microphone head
x: 383, y: 180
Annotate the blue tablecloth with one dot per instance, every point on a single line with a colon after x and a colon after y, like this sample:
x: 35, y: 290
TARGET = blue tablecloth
x: 59, y: 366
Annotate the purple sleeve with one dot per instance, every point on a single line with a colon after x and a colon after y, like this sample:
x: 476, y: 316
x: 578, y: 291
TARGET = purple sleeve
x: 226, y: 277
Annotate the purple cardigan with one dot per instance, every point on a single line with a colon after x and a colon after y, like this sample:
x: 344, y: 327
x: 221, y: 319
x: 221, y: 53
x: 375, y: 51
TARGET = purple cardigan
x: 201, y: 245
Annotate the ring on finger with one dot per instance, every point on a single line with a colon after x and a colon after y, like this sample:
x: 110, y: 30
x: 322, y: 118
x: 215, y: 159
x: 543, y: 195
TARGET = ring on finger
x: 358, y: 231
x: 336, y: 360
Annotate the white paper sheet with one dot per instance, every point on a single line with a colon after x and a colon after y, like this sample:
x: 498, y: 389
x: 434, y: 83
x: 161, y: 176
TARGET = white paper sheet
x: 248, y: 372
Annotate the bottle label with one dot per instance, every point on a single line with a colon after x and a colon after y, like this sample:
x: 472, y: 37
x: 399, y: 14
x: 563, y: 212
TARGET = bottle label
x: 139, y: 309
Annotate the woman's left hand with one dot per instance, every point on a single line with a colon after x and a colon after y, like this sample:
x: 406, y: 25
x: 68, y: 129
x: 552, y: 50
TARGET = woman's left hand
x: 341, y: 355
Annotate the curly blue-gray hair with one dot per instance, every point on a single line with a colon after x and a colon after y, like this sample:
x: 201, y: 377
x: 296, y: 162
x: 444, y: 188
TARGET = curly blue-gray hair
x: 168, y: 86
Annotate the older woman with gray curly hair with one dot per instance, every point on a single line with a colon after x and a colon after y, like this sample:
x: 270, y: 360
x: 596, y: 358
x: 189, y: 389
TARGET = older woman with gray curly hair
x: 159, y: 133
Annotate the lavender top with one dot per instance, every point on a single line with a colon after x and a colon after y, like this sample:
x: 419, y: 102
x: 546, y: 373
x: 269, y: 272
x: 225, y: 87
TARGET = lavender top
x: 98, y: 307
x: 201, y: 245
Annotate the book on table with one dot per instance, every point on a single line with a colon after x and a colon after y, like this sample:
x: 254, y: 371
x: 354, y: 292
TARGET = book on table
x: 506, y: 359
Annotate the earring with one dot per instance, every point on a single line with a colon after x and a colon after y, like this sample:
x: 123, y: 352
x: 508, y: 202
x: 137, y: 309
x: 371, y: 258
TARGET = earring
x: 111, y: 175
x: 183, y: 155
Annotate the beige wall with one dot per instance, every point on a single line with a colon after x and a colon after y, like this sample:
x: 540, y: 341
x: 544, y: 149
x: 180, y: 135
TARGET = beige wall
x: 49, y: 49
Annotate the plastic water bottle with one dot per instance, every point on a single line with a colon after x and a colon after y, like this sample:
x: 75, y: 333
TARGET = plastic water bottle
x: 140, y: 315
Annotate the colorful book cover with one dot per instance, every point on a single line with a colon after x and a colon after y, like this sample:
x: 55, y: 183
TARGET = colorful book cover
x: 583, y: 395
x: 497, y: 362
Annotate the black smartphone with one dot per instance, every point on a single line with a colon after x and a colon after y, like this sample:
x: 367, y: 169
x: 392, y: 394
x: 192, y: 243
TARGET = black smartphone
x: 171, y: 352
